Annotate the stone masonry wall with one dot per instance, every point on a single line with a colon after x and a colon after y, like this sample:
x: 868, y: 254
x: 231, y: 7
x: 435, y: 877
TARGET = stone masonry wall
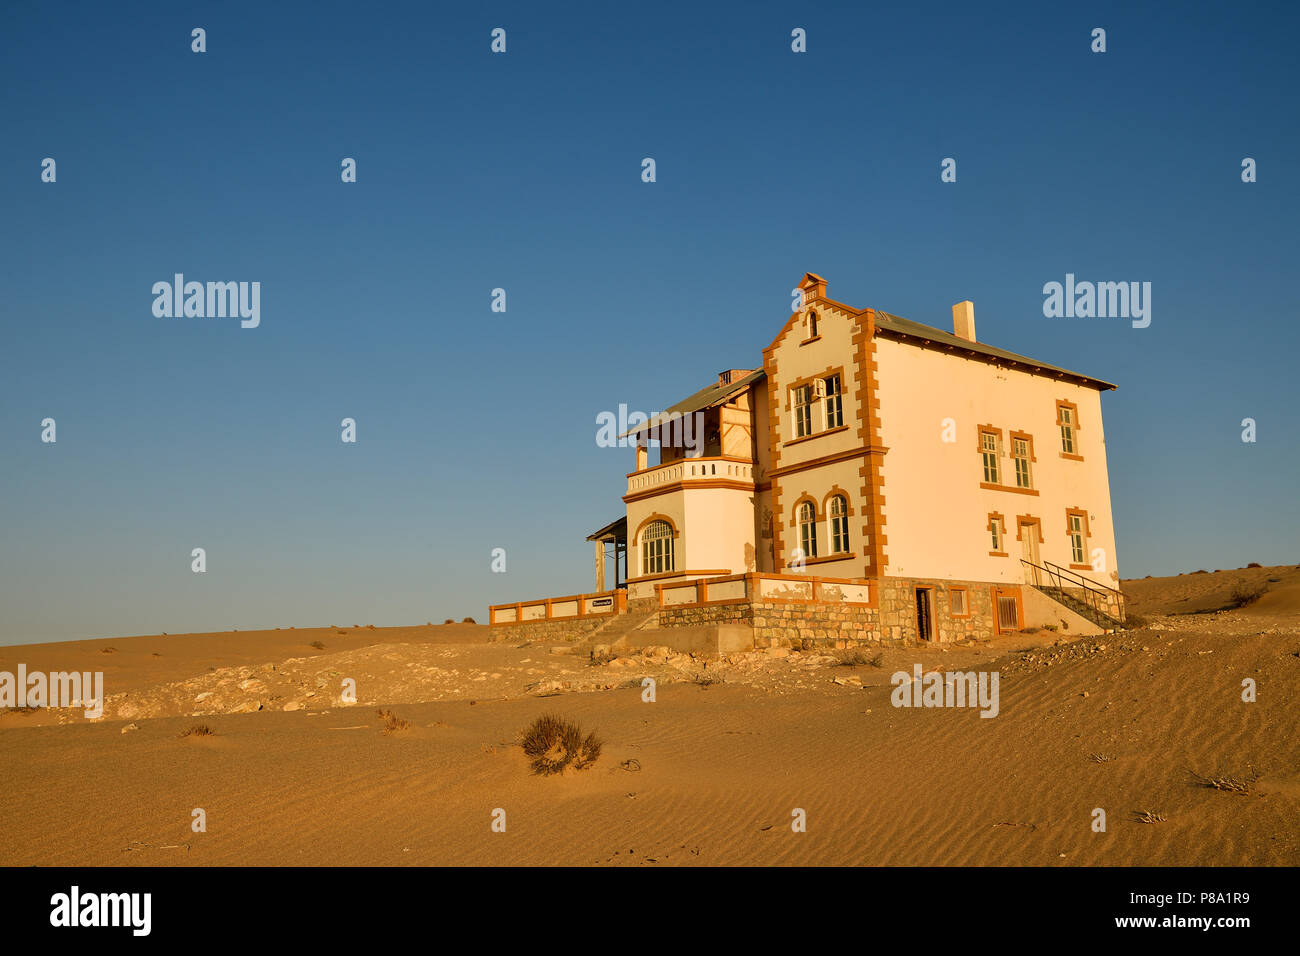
x: 826, y: 625
x: 561, y: 629
x: 898, y: 610
x: 780, y: 623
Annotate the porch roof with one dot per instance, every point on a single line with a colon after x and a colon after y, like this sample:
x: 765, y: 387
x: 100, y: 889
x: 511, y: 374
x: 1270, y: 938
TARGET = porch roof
x: 614, y: 531
x: 704, y: 398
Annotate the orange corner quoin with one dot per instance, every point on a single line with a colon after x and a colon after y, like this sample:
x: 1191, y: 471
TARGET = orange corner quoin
x: 858, y: 487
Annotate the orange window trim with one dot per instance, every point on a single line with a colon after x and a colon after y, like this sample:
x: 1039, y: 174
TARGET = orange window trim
x: 1062, y: 403
x: 1027, y: 438
x: 794, y: 512
x: 655, y: 517
x: 965, y: 601
x: 987, y: 430
x: 1022, y: 521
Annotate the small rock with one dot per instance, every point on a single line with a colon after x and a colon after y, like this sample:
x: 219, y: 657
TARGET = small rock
x: 128, y: 728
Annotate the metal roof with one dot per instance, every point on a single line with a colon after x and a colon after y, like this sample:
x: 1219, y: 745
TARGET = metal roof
x: 889, y: 324
x: 909, y: 329
x: 616, y: 530
x: 704, y: 398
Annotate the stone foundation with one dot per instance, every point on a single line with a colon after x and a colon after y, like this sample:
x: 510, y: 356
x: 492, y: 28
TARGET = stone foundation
x: 559, y: 629
x: 828, y: 625
x: 809, y: 624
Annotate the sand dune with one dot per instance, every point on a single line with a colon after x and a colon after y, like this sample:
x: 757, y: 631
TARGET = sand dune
x: 1122, y: 723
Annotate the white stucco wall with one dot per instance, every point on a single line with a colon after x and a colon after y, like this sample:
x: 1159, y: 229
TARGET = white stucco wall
x: 935, y: 510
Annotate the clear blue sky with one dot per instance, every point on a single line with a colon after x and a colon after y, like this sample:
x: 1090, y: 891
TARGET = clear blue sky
x: 522, y: 171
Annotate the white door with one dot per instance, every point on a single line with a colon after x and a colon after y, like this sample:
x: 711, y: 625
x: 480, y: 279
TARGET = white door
x: 1029, y: 549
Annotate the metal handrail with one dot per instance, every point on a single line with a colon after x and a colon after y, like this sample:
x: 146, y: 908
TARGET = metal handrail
x: 1096, y: 596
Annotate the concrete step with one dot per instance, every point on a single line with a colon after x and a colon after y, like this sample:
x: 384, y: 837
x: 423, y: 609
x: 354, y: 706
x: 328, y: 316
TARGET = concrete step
x: 610, y: 633
x: 708, y: 639
x: 1082, y: 608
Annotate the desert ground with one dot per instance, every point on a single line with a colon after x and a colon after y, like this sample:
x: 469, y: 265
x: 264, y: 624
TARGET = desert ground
x: 1138, y: 723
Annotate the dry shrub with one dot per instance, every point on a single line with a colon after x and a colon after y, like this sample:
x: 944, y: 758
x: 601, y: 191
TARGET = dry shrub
x: 1243, y: 594
x: 553, y: 744
x: 449, y: 621
x: 1254, y: 564
x: 392, y: 723
x: 200, y: 730
x: 856, y: 658
x: 1229, y: 784
x: 468, y: 620
x: 319, y: 645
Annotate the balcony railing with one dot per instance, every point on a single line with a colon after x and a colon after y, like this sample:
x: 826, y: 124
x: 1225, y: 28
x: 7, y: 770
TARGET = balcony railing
x: 689, y: 470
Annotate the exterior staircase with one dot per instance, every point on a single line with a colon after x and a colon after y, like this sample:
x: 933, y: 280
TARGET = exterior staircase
x: 615, y: 629
x: 1097, y: 603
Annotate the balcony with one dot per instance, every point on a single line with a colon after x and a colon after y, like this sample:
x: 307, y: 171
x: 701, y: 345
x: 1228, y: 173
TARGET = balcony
x: 688, y: 471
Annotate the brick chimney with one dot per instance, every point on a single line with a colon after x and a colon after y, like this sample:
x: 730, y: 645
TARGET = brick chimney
x: 963, y: 320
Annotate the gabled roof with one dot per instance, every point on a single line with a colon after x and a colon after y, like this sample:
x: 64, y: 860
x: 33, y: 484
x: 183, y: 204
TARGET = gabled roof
x: 705, y: 398
x: 906, y: 328
x: 894, y: 325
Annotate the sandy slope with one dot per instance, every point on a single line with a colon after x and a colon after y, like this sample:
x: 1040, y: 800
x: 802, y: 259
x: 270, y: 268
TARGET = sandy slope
x: 721, y: 766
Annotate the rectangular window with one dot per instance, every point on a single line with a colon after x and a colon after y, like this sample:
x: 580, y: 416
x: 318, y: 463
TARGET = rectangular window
x: 839, y: 525
x: 803, y: 411
x: 995, y: 529
x: 808, y: 538
x: 834, y: 402
x: 1020, y: 454
x: 957, y: 598
x: 1078, y: 532
x: 989, y: 450
x: 1065, y: 417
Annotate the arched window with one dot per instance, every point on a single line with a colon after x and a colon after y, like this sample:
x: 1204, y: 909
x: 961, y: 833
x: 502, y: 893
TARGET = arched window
x: 657, y: 548
x: 808, y: 529
x: 839, y: 525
